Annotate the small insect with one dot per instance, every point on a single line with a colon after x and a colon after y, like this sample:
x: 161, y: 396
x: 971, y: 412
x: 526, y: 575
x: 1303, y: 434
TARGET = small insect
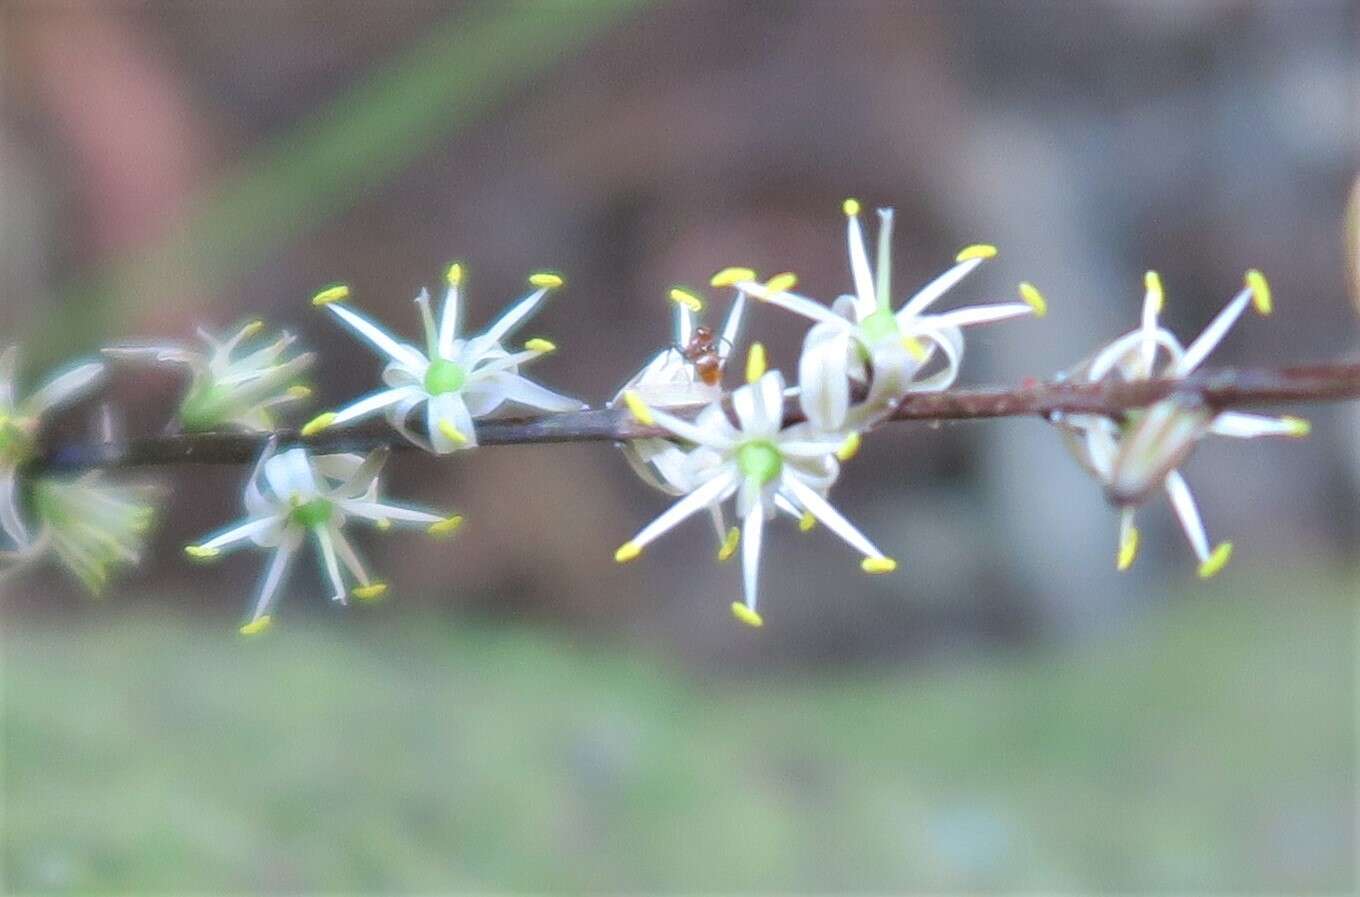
x: 702, y: 352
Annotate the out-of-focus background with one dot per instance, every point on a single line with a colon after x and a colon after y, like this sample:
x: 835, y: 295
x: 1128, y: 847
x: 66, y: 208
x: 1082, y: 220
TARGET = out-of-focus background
x: 1004, y: 713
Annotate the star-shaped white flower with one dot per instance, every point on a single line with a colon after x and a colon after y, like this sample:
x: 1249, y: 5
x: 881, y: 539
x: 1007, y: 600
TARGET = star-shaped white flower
x: 291, y: 496
x: 770, y: 469
x: 1140, y: 452
x: 861, y: 339
x: 688, y: 372
x: 20, y: 421
x: 230, y: 388
x: 457, y: 380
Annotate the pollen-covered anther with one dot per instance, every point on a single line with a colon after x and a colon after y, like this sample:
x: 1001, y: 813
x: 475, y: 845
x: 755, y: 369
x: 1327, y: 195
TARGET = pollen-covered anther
x: 728, y: 277
x: 1260, y: 291
x: 756, y: 362
x: 1152, y: 283
x: 252, y: 328
x: 546, y: 280
x: 256, y: 626
x: 338, y: 292
x: 1216, y: 561
x: 878, y: 565
x: 807, y: 523
x: 1128, y: 549
x: 299, y: 392
x: 915, y: 348
x: 850, y: 447
x: 976, y: 251
x: 537, y: 344
x: 1296, y: 426
x: 382, y: 524
x: 638, y: 408
x: 452, y: 433
x: 746, y: 615
x: 370, y: 592
x: 781, y: 283
x: 201, y: 553
x: 687, y: 298
x: 318, y: 423
x: 729, y: 544
x: 1031, y: 296
x: 453, y: 276
x: 628, y: 551
x: 446, y: 527
x: 850, y: 207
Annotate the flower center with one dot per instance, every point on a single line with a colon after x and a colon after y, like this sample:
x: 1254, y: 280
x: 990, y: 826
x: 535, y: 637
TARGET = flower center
x: 880, y: 326
x: 311, y: 514
x: 204, y: 407
x: 444, y: 376
x: 16, y: 444
x: 760, y: 461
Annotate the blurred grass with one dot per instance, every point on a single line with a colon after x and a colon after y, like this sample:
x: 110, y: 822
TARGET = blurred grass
x: 1209, y: 747
x: 373, y: 129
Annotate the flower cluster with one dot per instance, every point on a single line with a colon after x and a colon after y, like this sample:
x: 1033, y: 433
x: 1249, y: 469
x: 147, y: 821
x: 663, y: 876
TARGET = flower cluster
x: 770, y: 446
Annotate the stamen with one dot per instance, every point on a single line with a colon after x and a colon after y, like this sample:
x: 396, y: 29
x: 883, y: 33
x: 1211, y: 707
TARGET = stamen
x: 850, y: 207
x: 454, y: 275
x: 729, y: 544
x: 250, y: 329
x: 638, y: 408
x: 1216, y: 561
x: 446, y: 527
x: 452, y: 433
x: 1297, y: 426
x: 782, y: 283
x: 746, y: 615
x: 850, y: 447
x: 382, y: 524
x: 370, y: 592
x: 546, y: 280
x: 975, y: 251
x: 1260, y: 291
x: 538, y: 344
x: 1156, y: 296
x: 807, y: 522
x: 915, y: 348
x: 318, y: 423
x: 687, y: 298
x: 728, y: 277
x: 1033, y: 298
x: 338, y: 292
x: 628, y: 551
x: 878, y: 565
x: 256, y: 626
x: 299, y: 392
x: 198, y: 552
x: 1128, y: 549
x: 755, y: 363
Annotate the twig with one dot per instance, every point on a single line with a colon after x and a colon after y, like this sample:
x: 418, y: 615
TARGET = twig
x: 1219, y: 389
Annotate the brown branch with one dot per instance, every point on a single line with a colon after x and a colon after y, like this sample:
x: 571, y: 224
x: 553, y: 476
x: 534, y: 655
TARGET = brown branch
x: 1219, y: 389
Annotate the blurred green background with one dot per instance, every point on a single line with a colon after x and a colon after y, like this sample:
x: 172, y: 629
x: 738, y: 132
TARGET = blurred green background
x: 1004, y: 714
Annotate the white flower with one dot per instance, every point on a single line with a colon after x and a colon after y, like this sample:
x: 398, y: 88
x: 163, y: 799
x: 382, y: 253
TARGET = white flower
x: 860, y: 339
x: 1139, y: 452
x: 770, y: 468
x: 231, y: 388
x: 291, y: 496
x: 91, y: 526
x: 688, y: 372
x: 457, y: 380
x: 20, y: 421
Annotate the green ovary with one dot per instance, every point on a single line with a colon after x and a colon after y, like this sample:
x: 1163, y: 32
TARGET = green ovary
x: 16, y: 444
x: 314, y: 513
x: 444, y: 376
x: 760, y: 461
x: 880, y: 326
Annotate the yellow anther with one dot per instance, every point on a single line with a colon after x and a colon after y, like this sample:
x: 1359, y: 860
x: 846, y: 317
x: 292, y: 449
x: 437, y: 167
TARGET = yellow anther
x: 1297, y: 426
x: 915, y: 348
x: 454, y: 275
x: 318, y: 423
x: 626, y: 552
x: 732, y: 276
x: 850, y: 447
x: 256, y: 626
x: 1128, y: 549
x: 1260, y: 291
x: 299, y: 392
x: 729, y: 545
x: 335, y: 293
x: 638, y: 408
x: 252, y: 328
x: 755, y: 362
x: 850, y: 207
x: 1216, y: 561
x: 452, y: 433
x: 538, y: 344
x: 975, y: 251
x: 807, y: 523
x: 878, y: 565
x: 1033, y: 298
x: 446, y: 527
x: 781, y: 282
x: 746, y: 615
x: 546, y: 280
x: 382, y: 524
x: 370, y: 592
x: 682, y: 296
x: 198, y: 552
x: 1152, y: 282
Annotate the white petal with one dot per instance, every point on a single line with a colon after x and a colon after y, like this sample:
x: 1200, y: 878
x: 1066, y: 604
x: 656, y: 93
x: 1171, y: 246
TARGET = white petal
x: 1205, y: 343
x: 935, y: 289
x: 330, y: 564
x: 374, y: 510
x: 865, y: 302
x: 799, y: 305
x: 401, y: 353
x: 9, y: 369
x: 714, y: 491
x: 10, y: 518
x: 515, y: 388
x: 752, y: 532
x: 694, y: 432
x: 374, y: 403
x: 448, y: 321
x: 427, y: 322
x: 1184, y: 503
x: 1117, y: 353
x: 824, y: 378
x: 684, y: 324
x: 731, y: 331
x: 449, y: 408
x: 63, y: 388
x: 278, y: 566
x: 399, y: 417
x: 238, y: 536
x: 290, y: 474
x: 973, y: 314
x: 950, y: 342
x: 348, y: 556
x: 518, y: 314
x: 1249, y: 426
